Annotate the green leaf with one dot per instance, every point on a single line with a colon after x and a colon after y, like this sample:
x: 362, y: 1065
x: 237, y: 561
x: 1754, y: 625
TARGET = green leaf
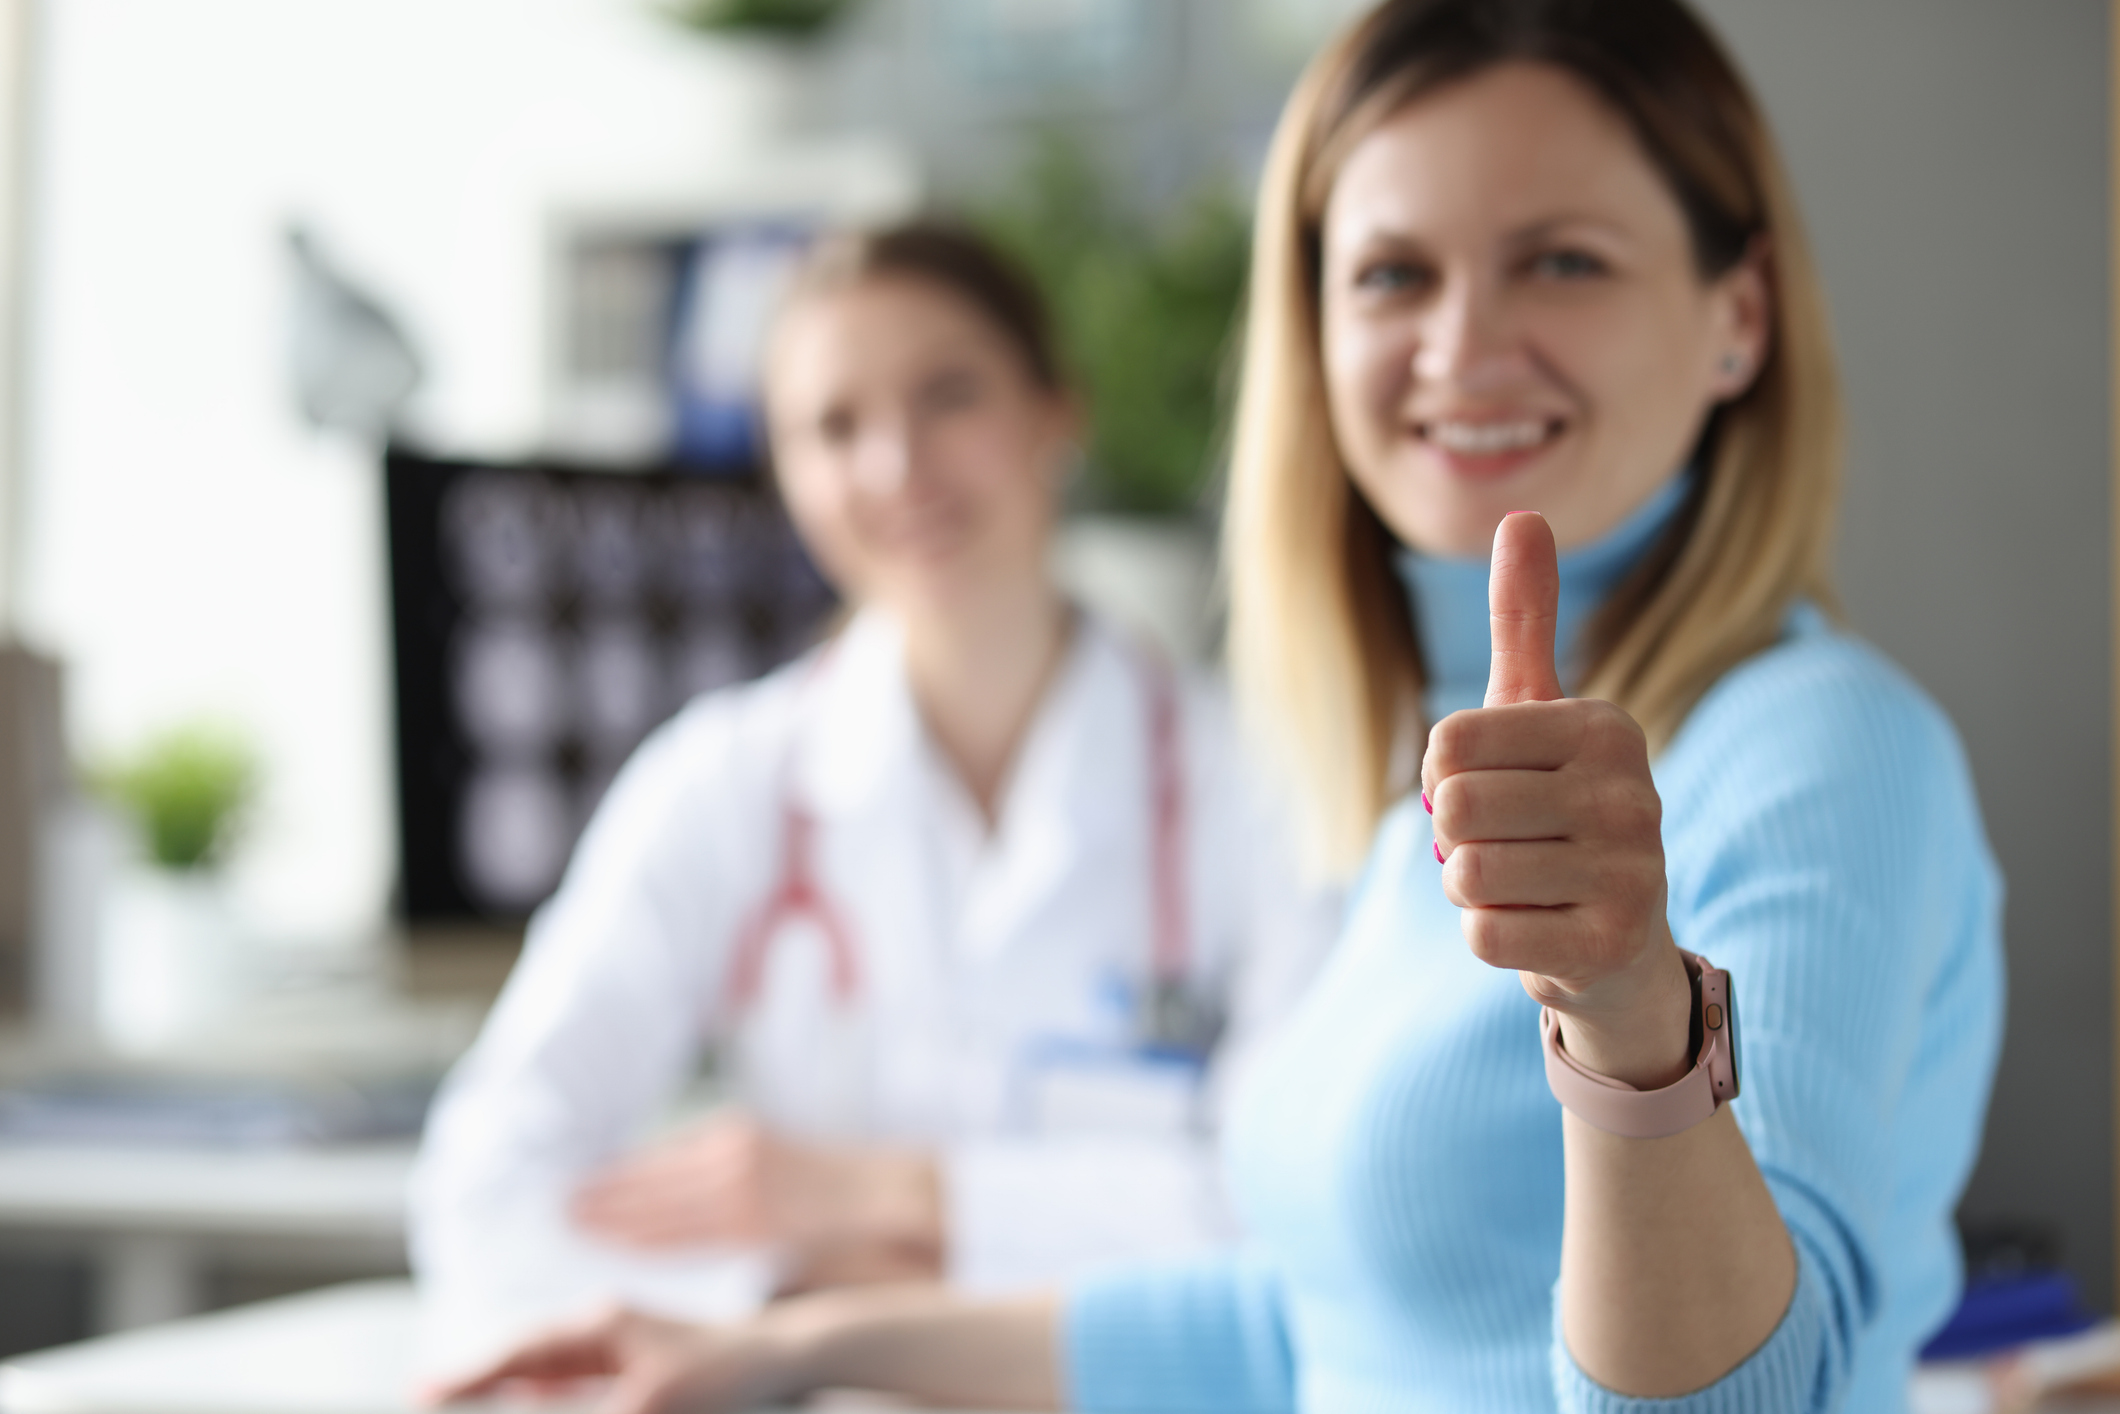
x: 186, y: 787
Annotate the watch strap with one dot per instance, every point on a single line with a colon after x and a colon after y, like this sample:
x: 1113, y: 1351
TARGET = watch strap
x: 1619, y: 1108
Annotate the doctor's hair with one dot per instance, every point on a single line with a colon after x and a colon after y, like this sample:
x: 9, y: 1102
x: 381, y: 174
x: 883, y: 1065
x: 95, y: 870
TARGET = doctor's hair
x: 951, y: 257
x: 1322, y: 638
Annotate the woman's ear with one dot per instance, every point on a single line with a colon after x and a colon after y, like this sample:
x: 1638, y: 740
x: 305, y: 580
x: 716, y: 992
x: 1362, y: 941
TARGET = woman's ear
x: 1744, y: 322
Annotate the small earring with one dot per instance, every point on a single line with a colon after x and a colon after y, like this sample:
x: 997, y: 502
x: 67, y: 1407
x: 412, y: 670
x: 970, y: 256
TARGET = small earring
x: 1733, y: 365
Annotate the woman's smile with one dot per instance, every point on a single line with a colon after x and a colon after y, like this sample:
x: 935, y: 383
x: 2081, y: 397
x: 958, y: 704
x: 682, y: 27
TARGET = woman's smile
x: 1488, y: 445
x: 930, y: 528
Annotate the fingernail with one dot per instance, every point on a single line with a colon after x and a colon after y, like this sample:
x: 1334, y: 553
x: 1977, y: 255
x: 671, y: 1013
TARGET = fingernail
x: 1438, y: 851
x: 1427, y: 804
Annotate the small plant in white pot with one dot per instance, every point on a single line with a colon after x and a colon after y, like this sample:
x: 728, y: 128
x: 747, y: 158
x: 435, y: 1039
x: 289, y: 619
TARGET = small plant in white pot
x: 170, y: 953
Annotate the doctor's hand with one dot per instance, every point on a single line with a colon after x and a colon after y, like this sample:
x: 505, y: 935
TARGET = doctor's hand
x: 842, y: 1214
x: 1550, y: 830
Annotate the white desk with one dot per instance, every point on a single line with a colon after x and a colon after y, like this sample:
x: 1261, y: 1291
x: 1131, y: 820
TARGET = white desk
x: 343, y: 1350
x: 153, y: 1219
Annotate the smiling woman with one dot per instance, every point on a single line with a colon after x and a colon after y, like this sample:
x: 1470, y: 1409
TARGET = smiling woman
x: 919, y: 436
x: 1527, y: 307
x: 1577, y: 230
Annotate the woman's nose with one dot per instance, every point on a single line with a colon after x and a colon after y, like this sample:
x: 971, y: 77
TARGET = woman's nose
x: 1466, y: 339
x: 884, y: 462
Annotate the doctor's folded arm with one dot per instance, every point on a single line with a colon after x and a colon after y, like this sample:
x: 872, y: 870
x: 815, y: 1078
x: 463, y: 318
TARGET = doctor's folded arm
x: 974, y: 989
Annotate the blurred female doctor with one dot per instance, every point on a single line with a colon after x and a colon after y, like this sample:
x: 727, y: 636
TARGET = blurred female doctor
x: 973, y: 905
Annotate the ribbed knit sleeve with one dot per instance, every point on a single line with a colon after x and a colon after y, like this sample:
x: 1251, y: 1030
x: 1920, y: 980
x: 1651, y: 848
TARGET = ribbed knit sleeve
x: 1835, y: 864
x: 1786, y: 1374
x: 1203, y: 1336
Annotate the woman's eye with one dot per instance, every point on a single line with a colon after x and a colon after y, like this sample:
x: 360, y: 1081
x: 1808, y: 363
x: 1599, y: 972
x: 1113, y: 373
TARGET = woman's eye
x: 1390, y: 277
x: 951, y: 392
x: 1568, y: 265
x: 836, y: 427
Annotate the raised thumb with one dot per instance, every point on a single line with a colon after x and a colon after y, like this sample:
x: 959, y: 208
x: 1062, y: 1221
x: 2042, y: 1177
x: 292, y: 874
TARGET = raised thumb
x: 1523, y: 601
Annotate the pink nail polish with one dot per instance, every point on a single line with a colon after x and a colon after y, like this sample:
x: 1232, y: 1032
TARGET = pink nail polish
x: 1427, y: 804
x: 1438, y: 851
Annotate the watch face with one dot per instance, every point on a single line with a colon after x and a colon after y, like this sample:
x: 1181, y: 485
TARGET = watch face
x: 1737, y: 1072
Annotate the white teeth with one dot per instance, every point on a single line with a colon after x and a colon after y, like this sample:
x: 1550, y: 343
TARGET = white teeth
x: 1487, y: 438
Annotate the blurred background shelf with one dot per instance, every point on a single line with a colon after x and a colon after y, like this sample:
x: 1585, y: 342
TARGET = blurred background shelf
x: 171, y: 1232
x: 267, y: 1156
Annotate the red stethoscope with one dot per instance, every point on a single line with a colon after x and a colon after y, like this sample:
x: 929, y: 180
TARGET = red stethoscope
x: 797, y: 895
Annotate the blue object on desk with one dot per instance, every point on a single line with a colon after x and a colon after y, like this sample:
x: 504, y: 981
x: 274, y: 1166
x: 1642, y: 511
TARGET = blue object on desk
x: 2000, y: 1312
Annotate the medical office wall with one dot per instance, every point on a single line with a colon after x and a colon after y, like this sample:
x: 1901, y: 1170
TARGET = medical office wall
x: 1952, y: 157
x: 190, y: 545
x: 193, y: 548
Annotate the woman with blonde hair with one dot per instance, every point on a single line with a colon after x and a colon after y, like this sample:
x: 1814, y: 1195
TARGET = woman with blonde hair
x: 1536, y: 255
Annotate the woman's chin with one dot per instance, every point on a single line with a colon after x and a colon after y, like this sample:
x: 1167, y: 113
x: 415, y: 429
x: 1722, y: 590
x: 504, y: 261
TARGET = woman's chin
x: 940, y: 587
x: 1440, y: 512
x: 1450, y: 531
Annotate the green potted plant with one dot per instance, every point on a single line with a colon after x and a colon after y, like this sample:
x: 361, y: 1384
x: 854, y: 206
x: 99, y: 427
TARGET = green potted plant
x: 170, y: 952
x: 185, y: 788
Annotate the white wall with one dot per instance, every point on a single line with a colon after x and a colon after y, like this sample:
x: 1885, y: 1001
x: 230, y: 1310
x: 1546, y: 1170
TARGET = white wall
x: 1952, y: 158
x: 192, y: 547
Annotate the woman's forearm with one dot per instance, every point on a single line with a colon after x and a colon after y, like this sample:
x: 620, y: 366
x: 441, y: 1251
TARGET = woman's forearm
x: 1675, y: 1262
x: 934, y: 1348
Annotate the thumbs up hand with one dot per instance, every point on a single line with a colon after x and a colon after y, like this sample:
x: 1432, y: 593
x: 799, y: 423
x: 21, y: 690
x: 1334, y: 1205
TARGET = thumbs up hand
x: 1550, y: 829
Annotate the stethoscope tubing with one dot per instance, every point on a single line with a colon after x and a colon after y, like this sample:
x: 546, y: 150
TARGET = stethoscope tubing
x: 798, y: 892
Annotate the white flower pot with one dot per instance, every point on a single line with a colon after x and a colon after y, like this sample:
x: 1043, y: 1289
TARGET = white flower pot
x: 169, y: 960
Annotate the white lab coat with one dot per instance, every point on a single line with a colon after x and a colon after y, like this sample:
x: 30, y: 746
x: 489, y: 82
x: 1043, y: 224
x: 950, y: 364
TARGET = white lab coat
x: 1000, y: 973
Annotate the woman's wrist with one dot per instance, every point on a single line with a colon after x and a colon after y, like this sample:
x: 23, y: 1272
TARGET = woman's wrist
x: 808, y: 1338
x: 873, y: 1338
x: 1642, y: 1036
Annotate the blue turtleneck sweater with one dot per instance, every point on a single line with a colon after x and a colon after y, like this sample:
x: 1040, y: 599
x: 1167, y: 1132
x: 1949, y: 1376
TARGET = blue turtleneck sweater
x: 1397, y: 1156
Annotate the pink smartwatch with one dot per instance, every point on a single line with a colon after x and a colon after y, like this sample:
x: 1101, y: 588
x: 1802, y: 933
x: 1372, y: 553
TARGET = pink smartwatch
x: 1619, y: 1108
